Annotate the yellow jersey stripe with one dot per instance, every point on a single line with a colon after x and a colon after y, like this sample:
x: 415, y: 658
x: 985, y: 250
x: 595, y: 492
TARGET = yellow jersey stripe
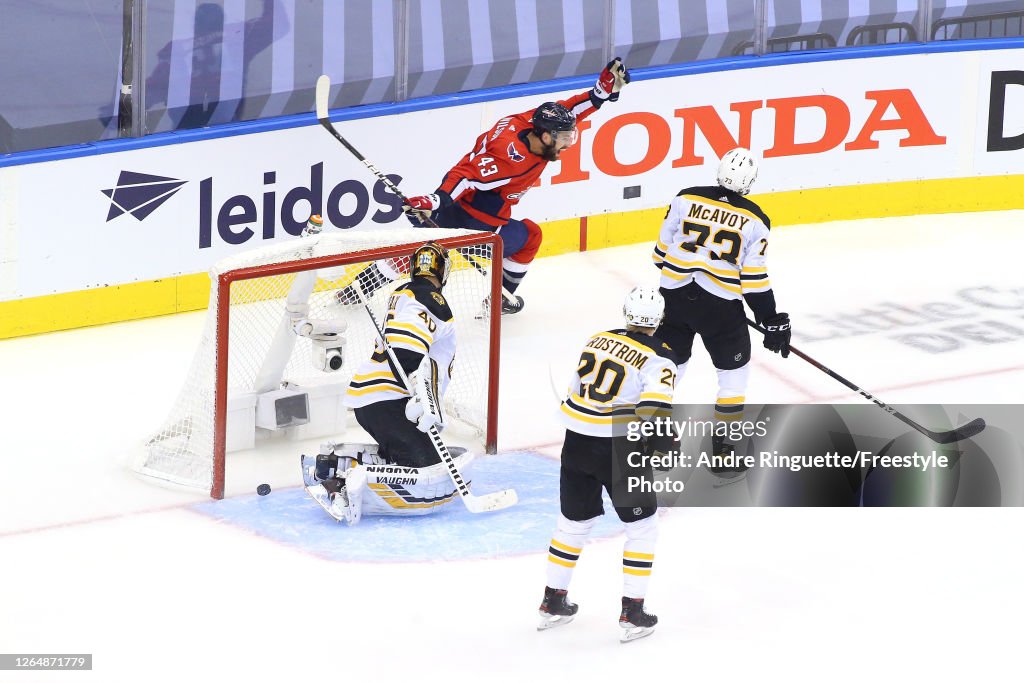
x: 375, y: 388
x: 682, y: 276
x: 703, y: 264
x: 415, y: 329
x: 400, y: 341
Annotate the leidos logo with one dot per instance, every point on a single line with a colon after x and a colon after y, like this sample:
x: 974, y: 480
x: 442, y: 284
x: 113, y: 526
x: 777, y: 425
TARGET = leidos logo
x: 140, y: 194
x: 347, y: 205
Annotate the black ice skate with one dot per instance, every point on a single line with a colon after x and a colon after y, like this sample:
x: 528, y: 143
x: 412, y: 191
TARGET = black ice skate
x: 635, y: 622
x: 556, y: 609
x: 509, y: 306
x: 724, y: 476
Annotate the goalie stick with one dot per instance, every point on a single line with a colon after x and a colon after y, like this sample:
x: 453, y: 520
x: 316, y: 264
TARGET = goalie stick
x: 323, y: 95
x: 499, y: 500
x: 952, y: 436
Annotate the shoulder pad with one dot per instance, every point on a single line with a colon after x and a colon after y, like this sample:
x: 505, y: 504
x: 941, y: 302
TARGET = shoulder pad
x: 431, y: 299
x: 706, y: 191
x: 663, y: 349
x: 752, y: 207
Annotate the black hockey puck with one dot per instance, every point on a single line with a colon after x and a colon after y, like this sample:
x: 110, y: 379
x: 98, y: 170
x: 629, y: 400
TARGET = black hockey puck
x: 263, y: 489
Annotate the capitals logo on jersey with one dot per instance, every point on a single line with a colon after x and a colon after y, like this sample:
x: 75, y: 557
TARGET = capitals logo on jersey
x: 514, y: 154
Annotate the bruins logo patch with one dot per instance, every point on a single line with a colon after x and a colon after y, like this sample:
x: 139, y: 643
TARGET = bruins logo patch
x: 438, y: 298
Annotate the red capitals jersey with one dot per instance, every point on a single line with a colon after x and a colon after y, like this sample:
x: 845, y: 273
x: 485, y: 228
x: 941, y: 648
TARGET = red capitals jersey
x: 492, y: 178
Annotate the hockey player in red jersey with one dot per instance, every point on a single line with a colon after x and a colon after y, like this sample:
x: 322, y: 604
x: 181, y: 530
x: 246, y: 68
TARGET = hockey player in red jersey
x: 480, y: 191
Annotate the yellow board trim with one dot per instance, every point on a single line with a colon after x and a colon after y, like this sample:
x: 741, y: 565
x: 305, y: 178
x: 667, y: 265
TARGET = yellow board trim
x: 117, y: 303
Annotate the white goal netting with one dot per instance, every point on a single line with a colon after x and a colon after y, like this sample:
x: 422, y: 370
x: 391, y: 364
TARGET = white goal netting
x: 251, y: 348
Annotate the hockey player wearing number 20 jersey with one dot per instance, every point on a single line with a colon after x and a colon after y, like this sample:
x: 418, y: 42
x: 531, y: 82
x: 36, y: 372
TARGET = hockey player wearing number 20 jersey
x: 712, y: 253
x: 623, y: 375
x: 479, y: 192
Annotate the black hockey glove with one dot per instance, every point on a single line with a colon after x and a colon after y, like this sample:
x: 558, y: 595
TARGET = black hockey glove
x: 777, y: 334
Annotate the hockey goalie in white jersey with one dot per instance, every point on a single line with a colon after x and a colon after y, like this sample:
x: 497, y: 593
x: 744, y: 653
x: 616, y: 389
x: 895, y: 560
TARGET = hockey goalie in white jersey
x: 402, y: 473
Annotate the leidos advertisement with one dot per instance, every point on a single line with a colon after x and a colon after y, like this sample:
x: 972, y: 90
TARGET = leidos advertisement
x: 164, y: 211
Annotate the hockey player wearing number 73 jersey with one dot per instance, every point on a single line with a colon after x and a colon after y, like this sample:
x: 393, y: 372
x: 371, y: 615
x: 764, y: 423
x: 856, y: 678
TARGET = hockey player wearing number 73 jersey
x: 712, y: 253
x: 624, y: 375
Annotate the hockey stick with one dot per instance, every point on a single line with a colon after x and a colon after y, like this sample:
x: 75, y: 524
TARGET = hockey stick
x: 959, y: 434
x: 490, y: 502
x: 323, y: 95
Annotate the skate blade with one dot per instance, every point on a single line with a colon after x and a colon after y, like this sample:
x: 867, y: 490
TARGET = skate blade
x: 631, y: 633
x: 549, y: 621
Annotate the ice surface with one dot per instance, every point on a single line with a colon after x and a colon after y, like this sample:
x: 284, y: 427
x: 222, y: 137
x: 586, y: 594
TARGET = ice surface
x: 161, y: 584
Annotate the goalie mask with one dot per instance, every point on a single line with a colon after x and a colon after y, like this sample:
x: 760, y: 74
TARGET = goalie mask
x: 644, y: 307
x: 431, y: 259
x: 737, y: 170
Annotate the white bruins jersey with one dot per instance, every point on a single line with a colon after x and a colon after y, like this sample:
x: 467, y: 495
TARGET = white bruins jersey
x: 716, y: 238
x: 420, y: 320
x: 621, y: 376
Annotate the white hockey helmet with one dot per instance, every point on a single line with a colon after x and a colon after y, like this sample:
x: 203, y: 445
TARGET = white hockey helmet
x: 644, y: 307
x: 738, y: 170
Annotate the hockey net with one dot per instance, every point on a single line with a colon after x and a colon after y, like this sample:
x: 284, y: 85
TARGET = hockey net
x: 250, y: 351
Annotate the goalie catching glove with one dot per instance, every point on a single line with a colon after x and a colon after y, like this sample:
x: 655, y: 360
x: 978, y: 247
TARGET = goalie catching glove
x: 424, y: 406
x: 611, y: 80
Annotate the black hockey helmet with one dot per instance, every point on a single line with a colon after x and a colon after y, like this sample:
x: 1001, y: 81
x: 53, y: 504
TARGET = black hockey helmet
x: 431, y: 259
x: 553, y: 117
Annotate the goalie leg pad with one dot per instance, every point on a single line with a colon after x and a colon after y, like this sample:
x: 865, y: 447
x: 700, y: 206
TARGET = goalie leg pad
x: 393, y: 490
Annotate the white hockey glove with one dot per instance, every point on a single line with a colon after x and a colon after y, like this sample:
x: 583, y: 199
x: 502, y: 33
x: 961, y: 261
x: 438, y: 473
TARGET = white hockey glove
x: 611, y: 80
x: 420, y: 208
x: 424, y: 407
